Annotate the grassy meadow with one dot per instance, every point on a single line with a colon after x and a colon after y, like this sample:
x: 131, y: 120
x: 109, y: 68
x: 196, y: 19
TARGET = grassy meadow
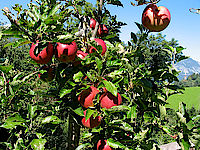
x: 191, y: 98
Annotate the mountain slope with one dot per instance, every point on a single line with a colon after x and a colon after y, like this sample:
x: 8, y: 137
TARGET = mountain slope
x: 187, y: 67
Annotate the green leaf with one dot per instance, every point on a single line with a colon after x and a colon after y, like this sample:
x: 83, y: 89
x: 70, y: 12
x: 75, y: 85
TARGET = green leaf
x: 148, y: 116
x: 9, y: 44
x: 39, y: 135
x: 115, y: 2
x: 34, y: 9
x: 126, y: 127
x: 110, y: 87
x: 99, y: 64
x: 190, y: 124
x: 79, y: 111
x: 54, y: 10
x: 196, y: 117
x: 31, y: 110
x: 89, y: 113
x: 63, y: 92
x: 182, y: 119
x: 83, y: 146
x: 65, y: 37
x: 139, y: 26
x: 6, y: 69
x: 51, y: 119
x: 86, y: 135
x: 132, y: 113
x: 13, y: 121
x: 78, y: 76
x: 119, y: 108
x: 182, y: 108
x: 166, y: 129
x: 185, y: 145
x: 115, y: 144
x: 11, y: 125
x: 134, y: 37
x: 38, y: 144
x: 163, y: 111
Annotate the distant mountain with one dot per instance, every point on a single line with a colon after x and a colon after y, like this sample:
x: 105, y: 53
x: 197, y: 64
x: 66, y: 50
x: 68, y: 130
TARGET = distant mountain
x: 187, y: 67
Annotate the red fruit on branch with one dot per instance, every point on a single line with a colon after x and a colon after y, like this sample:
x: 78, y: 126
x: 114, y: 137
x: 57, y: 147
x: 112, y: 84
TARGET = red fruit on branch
x: 155, y: 18
x: 92, y: 23
x: 91, y: 122
x: 102, y: 145
x: 81, y: 55
x: 101, y: 43
x: 48, y: 75
x: 87, y: 96
x: 44, y: 56
x: 108, y: 100
x: 102, y: 30
x: 66, y: 52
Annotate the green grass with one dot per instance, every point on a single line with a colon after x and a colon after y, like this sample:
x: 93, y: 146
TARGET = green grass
x: 191, y: 98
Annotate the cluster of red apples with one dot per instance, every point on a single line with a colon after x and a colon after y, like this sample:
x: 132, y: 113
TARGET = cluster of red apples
x: 107, y: 100
x: 65, y: 52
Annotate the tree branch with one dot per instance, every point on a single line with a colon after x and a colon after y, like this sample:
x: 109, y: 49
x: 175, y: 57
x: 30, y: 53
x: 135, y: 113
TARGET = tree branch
x: 100, y: 7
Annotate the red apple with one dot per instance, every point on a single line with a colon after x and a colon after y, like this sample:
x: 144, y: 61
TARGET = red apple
x: 92, y: 23
x: 66, y: 52
x: 102, y: 30
x: 91, y: 122
x: 44, y: 56
x: 48, y: 75
x: 155, y: 18
x: 87, y: 96
x: 99, y: 42
x: 81, y: 55
x: 108, y: 100
x: 102, y: 145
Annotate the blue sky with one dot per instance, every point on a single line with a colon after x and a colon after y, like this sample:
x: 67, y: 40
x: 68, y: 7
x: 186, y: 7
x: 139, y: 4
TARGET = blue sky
x: 184, y: 25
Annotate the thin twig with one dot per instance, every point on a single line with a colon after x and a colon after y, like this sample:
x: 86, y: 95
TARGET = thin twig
x: 7, y: 13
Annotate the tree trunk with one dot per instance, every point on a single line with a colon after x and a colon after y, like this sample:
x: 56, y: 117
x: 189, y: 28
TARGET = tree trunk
x: 73, y: 133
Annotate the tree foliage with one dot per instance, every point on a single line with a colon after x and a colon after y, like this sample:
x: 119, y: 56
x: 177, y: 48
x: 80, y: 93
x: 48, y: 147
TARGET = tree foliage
x: 40, y: 115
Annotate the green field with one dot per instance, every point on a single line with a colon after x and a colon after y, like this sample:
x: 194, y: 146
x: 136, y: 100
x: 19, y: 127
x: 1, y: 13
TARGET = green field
x: 191, y: 98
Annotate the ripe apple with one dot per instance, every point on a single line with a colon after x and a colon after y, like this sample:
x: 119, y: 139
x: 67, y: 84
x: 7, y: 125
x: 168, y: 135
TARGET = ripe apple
x: 48, y: 75
x: 44, y: 56
x: 102, y: 30
x: 91, y: 122
x: 81, y: 55
x: 108, y: 100
x: 102, y: 145
x: 87, y: 96
x: 66, y: 52
x: 155, y: 18
x: 99, y: 42
x: 92, y: 23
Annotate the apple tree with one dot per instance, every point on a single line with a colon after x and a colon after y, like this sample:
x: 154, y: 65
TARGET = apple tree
x: 95, y: 92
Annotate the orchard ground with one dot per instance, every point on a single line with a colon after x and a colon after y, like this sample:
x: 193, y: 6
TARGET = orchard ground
x: 191, y: 97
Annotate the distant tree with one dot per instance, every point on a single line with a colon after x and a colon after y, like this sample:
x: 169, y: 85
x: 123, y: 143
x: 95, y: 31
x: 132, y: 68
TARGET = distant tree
x: 191, y: 81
